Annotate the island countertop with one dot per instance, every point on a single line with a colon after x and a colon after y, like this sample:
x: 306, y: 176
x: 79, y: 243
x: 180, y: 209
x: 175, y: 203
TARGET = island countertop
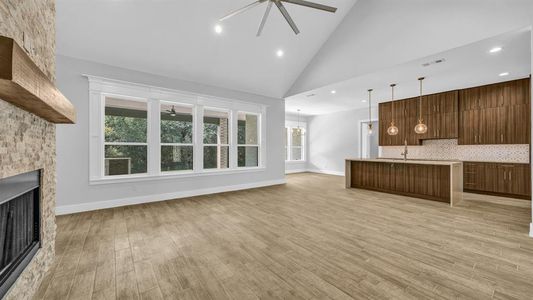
x: 409, y: 161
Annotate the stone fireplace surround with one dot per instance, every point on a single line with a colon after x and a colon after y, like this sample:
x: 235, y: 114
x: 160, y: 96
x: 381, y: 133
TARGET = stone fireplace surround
x: 27, y: 142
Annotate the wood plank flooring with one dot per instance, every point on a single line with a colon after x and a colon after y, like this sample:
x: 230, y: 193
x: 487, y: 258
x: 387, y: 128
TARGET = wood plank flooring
x: 309, y: 239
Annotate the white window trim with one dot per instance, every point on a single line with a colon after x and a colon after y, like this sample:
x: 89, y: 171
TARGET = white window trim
x: 100, y: 87
x: 288, y: 126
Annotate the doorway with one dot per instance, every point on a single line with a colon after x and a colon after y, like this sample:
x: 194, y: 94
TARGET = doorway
x: 369, y: 142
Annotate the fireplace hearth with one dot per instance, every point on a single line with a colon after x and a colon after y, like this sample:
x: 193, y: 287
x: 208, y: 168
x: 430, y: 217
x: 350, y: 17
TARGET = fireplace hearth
x: 19, y: 225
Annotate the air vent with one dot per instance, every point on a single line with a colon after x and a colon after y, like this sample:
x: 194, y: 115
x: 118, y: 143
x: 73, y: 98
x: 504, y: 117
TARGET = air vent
x: 434, y: 62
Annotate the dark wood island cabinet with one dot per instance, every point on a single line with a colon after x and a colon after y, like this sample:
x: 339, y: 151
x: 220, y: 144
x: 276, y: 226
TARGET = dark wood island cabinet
x: 433, y: 180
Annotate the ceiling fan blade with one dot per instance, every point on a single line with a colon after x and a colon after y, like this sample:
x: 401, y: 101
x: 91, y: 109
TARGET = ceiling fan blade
x: 265, y: 17
x: 312, y: 5
x: 287, y: 16
x: 241, y: 10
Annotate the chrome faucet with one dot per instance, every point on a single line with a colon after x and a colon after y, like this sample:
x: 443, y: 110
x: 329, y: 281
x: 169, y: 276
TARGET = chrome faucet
x: 404, y: 153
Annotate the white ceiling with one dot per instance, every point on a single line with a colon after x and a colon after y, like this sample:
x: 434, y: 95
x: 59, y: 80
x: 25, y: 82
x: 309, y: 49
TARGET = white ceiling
x: 175, y: 38
x: 465, y: 66
x: 380, y: 34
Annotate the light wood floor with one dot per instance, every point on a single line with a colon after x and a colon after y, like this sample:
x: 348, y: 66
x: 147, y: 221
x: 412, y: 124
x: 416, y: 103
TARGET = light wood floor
x: 309, y: 239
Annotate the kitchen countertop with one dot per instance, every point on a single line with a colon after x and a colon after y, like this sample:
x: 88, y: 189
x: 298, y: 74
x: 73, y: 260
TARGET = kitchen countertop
x: 409, y: 161
x: 463, y: 161
x: 497, y: 162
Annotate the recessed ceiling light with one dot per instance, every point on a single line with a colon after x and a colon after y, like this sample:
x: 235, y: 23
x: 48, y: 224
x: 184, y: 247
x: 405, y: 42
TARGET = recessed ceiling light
x: 280, y: 53
x: 495, y: 49
x: 218, y: 29
x: 364, y: 100
x: 334, y: 92
x: 504, y: 74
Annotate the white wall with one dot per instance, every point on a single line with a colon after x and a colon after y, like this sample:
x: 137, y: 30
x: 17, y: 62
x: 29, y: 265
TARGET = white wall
x: 333, y: 138
x: 377, y: 34
x: 531, y: 225
x: 73, y: 190
x: 298, y: 166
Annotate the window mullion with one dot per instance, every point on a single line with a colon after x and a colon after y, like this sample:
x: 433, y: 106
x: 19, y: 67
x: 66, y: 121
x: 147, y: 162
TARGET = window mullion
x: 154, y: 137
x: 198, y: 138
x: 233, y: 139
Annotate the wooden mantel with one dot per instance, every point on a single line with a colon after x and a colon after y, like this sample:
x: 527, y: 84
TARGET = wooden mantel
x: 23, y: 84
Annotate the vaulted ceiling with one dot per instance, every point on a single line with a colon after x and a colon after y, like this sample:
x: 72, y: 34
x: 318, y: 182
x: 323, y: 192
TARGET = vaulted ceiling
x: 380, y: 34
x: 176, y: 38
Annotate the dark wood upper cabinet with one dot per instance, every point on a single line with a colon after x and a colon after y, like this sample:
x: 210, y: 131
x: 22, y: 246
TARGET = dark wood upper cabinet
x: 439, y: 111
x: 385, y: 117
x: 491, y: 114
x: 495, y: 114
x: 404, y: 113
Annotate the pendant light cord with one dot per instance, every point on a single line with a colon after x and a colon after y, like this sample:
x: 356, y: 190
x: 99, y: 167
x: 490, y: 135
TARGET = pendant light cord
x: 298, y: 119
x: 370, y: 105
x: 420, y: 101
x: 392, y: 100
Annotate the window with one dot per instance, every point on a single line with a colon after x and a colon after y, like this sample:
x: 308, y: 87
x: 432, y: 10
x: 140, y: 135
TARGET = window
x: 140, y: 132
x: 297, y: 136
x: 295, y: 142
x: 216, y: 139
x: 248, y: 141
x: 177, y: 149
x: 125, y: 132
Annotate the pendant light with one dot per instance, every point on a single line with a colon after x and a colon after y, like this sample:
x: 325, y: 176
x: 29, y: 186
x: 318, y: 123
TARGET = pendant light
x: 392, y: 130
x: 420, y: 128
x: 370, y: 127
x: 298, y: 129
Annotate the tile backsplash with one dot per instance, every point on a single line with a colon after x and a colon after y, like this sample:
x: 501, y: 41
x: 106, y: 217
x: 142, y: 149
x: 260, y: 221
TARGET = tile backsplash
x: 450, y: 150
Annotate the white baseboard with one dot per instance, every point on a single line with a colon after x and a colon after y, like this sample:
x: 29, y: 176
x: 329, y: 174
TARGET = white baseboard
x: 76, y: 208
x: 336, y: 173
x: 295, y: 171
x: 531, y: 229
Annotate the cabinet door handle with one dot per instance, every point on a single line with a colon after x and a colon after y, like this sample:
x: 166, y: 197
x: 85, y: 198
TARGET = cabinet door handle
x: 475, y: 139
x: 504, y: 175
x: 501, y: 137
x: 510, y: 178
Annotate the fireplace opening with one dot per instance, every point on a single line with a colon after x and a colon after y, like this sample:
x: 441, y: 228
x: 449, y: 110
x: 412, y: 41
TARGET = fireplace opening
x: 19, y: 225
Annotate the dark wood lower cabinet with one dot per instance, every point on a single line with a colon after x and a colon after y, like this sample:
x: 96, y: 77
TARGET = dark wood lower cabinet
x: 417, y: 180
x: 508, y: 180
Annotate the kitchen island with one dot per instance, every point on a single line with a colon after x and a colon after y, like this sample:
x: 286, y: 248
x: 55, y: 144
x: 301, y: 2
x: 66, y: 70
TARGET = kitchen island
x: 433, y: 180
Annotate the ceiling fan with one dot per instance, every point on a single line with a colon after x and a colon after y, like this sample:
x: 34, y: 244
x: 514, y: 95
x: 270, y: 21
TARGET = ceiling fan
x: 281, y: 7
x: 171, y: 111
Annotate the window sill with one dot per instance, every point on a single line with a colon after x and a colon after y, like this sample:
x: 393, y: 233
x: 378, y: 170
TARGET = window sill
x: 171, y: 175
